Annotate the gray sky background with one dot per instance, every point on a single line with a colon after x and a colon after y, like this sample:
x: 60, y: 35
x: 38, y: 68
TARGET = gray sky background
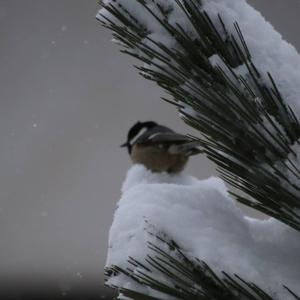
x: 67, y: 99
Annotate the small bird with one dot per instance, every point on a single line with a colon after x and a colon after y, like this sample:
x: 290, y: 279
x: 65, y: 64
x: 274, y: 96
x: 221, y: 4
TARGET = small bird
x: 159, y: 148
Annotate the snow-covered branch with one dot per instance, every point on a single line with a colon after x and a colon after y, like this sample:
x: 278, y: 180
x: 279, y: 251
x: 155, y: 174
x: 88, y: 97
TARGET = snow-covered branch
x: 234, y: 79
x: 205, y: 221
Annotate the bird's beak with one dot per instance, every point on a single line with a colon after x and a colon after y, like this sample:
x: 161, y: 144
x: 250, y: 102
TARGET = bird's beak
x: 124, y: 145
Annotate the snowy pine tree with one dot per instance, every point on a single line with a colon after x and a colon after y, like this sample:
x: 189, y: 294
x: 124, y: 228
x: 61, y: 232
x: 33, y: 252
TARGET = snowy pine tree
x: 234, y: 79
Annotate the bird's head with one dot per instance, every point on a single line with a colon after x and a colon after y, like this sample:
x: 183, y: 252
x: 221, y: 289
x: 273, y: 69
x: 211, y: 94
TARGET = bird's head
x: 136, y: 131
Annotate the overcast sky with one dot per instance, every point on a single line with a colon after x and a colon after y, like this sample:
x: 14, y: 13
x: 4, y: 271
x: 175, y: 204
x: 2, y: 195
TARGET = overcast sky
x: 67, y: 99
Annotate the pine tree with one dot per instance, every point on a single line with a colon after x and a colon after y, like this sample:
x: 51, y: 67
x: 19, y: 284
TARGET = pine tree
x: 248, y: 129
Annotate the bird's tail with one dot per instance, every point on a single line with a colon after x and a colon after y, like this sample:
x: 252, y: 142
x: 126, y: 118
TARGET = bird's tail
x: 190, y: 148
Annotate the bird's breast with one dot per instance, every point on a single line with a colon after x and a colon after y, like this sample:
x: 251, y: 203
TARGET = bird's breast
x: 159, y: 159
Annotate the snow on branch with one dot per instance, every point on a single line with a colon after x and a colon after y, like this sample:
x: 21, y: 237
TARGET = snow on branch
x: 198, y: 216
x: 268, y: 50
x: 233, y: 78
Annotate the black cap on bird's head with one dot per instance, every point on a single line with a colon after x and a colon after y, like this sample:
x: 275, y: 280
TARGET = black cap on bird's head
x: 136, y: 131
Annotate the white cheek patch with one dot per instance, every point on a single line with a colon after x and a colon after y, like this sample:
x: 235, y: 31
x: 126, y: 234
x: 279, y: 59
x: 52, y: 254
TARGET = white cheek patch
x: 140, y: 133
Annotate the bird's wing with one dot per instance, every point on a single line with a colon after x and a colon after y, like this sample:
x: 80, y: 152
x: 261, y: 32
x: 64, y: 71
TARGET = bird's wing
x: 190, y: 148
x: 167, y: 137
x: 185, y: 145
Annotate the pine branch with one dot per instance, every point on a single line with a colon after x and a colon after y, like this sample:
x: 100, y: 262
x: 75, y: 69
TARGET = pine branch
x: 248, y: 128
x: 169, y: 272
